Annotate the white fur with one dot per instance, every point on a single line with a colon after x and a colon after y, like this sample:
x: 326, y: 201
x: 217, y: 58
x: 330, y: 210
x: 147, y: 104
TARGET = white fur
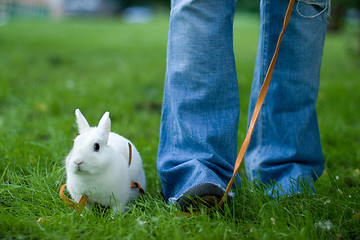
x: 104, y: 176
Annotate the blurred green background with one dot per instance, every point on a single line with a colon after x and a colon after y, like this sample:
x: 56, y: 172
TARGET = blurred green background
x: 98, y: 55
x: 56, y: 56
x: 341, y: 9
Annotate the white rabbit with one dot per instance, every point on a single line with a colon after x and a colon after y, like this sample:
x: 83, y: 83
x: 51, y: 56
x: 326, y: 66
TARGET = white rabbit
x: 100, y: 167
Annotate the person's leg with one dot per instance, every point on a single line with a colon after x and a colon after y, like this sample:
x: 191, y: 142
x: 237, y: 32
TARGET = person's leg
x: 285, y: 147
x: 198, y: 133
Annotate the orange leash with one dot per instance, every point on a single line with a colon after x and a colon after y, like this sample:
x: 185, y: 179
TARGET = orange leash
x: 136, y: 185
x: 84, y: 199
x: 77, y: 206
x: 259, y: 103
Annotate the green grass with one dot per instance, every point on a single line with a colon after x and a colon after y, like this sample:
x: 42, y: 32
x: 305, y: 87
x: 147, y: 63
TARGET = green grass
x: 48, y: 69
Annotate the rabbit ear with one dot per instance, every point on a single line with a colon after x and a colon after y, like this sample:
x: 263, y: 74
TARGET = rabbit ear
x: 104, y: 124
x: 83, y: 125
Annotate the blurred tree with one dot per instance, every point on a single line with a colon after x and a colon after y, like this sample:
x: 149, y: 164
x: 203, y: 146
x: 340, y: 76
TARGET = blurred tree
x: 248, y: 5
x: 338, y: 10
x: 338, y: 13
x: 144, y: 2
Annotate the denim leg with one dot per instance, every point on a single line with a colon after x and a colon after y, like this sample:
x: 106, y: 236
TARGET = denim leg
x: 198, y: 132
x: 285, y: 147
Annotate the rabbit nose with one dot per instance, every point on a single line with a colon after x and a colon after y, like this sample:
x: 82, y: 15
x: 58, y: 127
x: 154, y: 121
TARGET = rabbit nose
x: 78, y: 165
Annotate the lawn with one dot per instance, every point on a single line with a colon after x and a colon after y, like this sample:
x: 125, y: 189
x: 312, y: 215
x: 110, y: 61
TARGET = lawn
x: 48, y: 69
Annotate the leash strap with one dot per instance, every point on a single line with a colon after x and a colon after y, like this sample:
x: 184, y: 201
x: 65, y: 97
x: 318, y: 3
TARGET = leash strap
x: 259, y: 103
x: 79, y: 206
x: 136, y: 185
x: 84, y: 199
x: 130, y: 153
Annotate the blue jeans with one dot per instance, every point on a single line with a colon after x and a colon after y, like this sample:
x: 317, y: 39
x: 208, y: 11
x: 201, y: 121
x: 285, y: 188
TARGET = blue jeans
x: 199, y: 124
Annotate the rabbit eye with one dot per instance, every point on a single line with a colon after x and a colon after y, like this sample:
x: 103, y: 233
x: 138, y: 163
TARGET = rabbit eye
x: 96, y: 147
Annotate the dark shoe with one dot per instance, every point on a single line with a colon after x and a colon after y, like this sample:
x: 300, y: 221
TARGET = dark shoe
x: 205, y: 194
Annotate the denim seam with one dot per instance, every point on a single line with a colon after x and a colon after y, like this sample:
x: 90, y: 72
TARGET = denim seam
x: 266, y: 56
x: 264, y: 42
